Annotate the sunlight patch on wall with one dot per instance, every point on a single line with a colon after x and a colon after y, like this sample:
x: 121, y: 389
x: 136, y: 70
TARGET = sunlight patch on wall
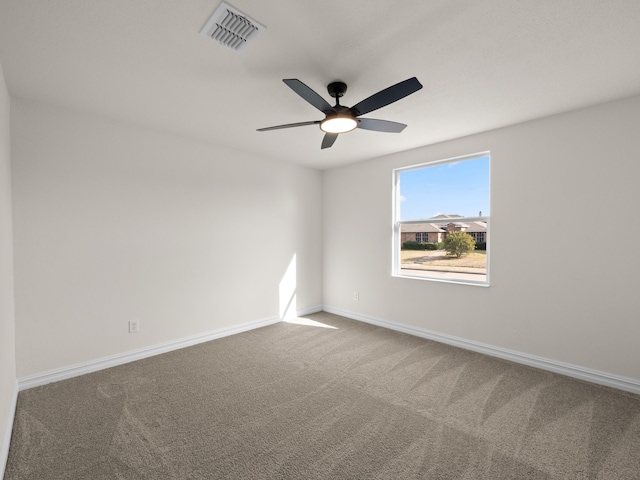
x: 287, y: 291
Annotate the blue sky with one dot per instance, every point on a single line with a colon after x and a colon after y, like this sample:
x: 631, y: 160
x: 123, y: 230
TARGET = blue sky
x: 460, y: 188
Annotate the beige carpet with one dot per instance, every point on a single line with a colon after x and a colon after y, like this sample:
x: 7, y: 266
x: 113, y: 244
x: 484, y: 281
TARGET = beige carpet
x: 306, y: 402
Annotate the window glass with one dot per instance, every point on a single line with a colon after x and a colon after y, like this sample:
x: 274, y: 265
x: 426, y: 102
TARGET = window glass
x: 441, y: 229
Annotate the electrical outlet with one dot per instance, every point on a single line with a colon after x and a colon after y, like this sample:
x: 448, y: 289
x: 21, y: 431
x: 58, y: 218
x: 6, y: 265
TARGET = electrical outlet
x: 134, y: 326
x: 356, y: 296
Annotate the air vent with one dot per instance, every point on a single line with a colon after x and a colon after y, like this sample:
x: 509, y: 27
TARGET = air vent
x: 231, y: 28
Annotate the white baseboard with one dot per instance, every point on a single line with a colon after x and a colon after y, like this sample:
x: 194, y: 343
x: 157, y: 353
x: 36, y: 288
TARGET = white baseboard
x: 575, y: 371
x: 119, y: 359
x: 6, y: 437
x: 582, y: 373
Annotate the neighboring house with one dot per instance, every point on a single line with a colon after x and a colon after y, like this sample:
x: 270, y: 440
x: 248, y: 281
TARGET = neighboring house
x: 436, y: 231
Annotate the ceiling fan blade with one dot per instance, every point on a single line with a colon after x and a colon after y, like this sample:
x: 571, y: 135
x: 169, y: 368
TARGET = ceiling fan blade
x: 288, y: 125
x: 329, y: 139
x: 380, y: 125
x: 309, y: 95
x: 387, y: 96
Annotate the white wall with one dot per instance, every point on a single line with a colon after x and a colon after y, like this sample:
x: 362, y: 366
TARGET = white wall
x: 565, y: 267
x: 7, y: 324
x: 113, y: 222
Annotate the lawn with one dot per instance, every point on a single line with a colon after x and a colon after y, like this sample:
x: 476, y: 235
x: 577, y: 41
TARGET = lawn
x: 439, y: 258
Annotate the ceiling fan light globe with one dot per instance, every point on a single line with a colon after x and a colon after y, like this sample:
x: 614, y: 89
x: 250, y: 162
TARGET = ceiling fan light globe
x: 338, y: 124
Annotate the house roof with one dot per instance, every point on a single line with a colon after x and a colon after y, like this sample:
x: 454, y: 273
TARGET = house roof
x: 476, y: 227
x: 457, y: 224
x: 441, y: 227
x: 420, y: 227
x: 443, y: 216
x: 451, y: 217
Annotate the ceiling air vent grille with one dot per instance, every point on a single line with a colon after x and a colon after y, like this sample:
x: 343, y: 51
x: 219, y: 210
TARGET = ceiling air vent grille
x: 231, y: 28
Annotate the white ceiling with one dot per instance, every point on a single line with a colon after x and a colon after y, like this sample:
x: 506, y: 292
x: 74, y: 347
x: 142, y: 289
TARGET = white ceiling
x: 483, y: 64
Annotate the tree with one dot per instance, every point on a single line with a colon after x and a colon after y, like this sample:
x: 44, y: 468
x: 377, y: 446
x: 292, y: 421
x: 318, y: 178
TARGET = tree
x: 459, y: 244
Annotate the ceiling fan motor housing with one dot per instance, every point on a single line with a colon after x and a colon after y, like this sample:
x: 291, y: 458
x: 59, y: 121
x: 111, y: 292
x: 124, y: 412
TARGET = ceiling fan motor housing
x: 337, y: 89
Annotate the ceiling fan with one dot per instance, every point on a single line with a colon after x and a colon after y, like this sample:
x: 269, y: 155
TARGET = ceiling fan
x: 340, y: 119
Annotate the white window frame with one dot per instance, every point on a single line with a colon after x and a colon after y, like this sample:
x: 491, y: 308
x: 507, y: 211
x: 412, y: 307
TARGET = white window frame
x: 396, y: 244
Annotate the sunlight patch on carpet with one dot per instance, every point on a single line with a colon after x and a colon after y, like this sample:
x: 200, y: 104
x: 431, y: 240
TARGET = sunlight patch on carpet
x: 308, y: 322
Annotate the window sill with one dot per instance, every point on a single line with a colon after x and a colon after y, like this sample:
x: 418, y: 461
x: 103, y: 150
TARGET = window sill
x: 445, y: 277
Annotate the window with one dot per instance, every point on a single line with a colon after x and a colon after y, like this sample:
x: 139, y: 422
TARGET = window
x: 477, y: 236
x: 439, y: 200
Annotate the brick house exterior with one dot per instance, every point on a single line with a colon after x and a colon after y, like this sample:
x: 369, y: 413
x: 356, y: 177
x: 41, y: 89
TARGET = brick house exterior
x: 436, y: 229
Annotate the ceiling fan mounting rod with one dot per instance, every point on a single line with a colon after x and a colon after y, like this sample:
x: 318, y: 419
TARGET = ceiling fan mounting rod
x: 337, y: 90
